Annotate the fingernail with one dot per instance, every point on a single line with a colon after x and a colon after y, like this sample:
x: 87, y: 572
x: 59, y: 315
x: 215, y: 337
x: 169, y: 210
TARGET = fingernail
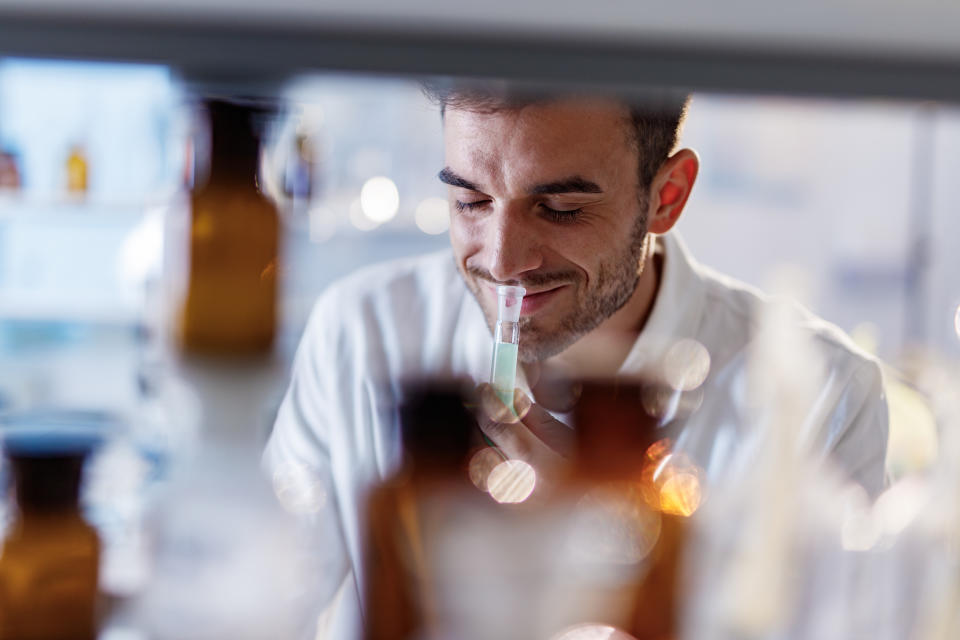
x: 521, y: 403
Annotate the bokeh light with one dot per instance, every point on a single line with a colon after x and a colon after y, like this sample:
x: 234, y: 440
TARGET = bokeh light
x: 956, y: 321
x: 482, y: 463
x: 614, y: 524
x: 592, y: 632
x: 299, y: 489
x: 671, y: 481
x: 680, y: 494
x: 511, y: 481
x: 432, y: 216
x: 359, y: 219
x: 686, y: 365
x: 379, y: 199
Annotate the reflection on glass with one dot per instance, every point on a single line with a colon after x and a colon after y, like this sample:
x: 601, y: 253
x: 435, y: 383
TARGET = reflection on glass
x: 686, y: 365
x: 481, y: 465
x: 511, y: 481
x: 614, y: 524
x: 671, y: 481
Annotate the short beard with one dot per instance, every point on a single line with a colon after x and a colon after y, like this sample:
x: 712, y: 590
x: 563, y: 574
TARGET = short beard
x: 616, y: 281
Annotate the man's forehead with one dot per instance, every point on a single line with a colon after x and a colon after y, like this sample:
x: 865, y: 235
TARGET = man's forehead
x: 600, y: 115
x: 538, y: 142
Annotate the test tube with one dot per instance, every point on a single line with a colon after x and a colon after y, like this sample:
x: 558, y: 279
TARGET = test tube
x: 506, y: 340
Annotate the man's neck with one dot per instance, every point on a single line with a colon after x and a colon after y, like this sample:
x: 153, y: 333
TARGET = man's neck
x: 602, y: 352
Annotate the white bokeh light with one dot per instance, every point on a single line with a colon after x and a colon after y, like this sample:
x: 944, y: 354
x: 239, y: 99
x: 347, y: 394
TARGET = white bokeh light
x: 511, y: 481
x: 379, y: 199
x: 432, y: 216
x: 686, y: 365
x: 956, y: 322
x: 592, y: 632
x: 359, y: 219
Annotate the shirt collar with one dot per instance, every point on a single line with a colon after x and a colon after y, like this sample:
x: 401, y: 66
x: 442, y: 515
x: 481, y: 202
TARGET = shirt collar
x: 677, y: 309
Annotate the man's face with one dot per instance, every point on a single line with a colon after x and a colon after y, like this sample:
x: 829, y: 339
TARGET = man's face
x: 547, y: 197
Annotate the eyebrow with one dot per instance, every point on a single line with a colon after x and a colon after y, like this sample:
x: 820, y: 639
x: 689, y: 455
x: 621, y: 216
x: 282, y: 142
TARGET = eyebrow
x: 573, y: 184
x: 447, y: 176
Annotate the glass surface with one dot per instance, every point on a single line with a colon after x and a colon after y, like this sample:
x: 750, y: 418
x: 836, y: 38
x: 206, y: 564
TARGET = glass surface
x: 850, y: 202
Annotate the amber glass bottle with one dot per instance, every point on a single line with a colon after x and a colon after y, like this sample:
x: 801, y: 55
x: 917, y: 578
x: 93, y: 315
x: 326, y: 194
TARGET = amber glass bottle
x: 231, y: 297
x: 77, y: 171
x: 436, y: 436
x: 622, y: 453
x: 50, y: 557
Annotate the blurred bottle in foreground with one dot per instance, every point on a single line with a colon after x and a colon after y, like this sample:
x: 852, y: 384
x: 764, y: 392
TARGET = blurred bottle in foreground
x: 461, y: 545
x: 635, y: 498
x: 50, y: 557
x: 234, y: 235
x: 436, y: 436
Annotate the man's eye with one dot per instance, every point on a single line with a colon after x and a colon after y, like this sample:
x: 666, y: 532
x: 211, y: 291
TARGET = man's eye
x: 469, y: 206
x: 561, y: 216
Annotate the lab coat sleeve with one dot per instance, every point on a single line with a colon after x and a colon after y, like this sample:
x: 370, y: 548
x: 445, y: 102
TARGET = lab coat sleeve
x: 300, y: 446
x: 860, y: 443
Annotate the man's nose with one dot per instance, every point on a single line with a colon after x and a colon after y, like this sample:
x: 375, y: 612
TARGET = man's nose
x: 513, y: 247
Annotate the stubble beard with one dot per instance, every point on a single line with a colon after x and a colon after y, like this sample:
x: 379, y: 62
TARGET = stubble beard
x: 615, y: 283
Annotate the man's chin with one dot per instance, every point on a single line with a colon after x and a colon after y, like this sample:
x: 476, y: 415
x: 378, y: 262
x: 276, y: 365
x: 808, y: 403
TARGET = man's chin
x: 538, y: 350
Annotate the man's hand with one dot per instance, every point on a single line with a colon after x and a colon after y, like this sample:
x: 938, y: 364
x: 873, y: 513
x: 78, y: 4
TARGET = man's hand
x: 532, y: 435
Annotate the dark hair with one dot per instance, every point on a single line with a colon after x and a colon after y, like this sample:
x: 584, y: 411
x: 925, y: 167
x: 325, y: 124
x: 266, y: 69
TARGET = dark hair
x: 656, y: 116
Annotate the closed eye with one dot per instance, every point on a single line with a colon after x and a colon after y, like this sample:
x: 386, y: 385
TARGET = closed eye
x: 470, y: 206
x: 561, y: 216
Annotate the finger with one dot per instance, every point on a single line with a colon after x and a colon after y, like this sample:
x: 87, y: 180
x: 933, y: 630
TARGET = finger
x: 508, y: 433
x: 553, y: 433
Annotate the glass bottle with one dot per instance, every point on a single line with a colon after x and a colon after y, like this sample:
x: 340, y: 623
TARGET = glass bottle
x: 639, y: 495
x: 77, y: 171
x: 230, y: 302
x: 50, y: 558
x: 398, y: 587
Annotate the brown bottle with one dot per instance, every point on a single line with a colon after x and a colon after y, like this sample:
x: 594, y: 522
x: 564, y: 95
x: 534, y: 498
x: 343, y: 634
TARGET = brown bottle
x: 231, y: 297
x: 50, y: 557
x: 436, y: 436
x: 621, y: 452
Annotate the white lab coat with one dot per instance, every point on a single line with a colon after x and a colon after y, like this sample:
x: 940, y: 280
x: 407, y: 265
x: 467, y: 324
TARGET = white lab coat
x: 415, y: 317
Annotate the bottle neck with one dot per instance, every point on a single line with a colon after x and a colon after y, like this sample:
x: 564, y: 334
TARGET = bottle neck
x: 234, y: 145
x: 47, y: 485
x: 235, y: 166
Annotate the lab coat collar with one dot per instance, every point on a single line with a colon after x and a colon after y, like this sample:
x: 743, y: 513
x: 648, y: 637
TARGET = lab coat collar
x: 677, y: 309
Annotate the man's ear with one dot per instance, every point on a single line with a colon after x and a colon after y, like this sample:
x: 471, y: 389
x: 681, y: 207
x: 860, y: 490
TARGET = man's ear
x: 670, y: 189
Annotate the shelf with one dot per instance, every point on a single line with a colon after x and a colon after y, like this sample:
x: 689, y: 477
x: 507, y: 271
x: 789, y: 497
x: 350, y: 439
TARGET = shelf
x: 841, y: 48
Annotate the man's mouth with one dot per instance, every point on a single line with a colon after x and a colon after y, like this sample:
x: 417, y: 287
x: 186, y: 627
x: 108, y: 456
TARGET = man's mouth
x: 533, y: 301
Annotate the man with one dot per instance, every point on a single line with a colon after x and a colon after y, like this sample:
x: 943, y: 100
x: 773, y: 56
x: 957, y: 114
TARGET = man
x: 572, y: 198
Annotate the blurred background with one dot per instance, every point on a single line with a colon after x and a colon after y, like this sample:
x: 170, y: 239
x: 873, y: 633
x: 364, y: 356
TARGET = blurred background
x: 856, y: 192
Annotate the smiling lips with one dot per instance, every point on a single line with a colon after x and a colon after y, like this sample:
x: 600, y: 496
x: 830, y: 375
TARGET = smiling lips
x: 533, y: 302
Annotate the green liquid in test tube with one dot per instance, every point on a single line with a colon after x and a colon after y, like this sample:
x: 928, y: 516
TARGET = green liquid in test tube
x: 503, y: 370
